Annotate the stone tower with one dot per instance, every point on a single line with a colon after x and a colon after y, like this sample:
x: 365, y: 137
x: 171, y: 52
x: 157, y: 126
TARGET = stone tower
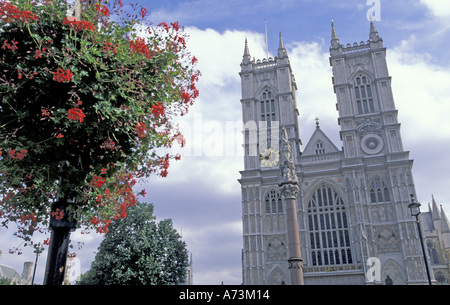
x: 268, y: 102
x: 353, y: 218
x: 374, y: 178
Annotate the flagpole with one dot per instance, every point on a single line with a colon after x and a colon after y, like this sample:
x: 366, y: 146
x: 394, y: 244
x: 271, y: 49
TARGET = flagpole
x: 267, y: 41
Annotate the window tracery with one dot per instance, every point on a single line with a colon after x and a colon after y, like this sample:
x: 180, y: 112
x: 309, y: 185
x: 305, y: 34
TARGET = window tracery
x: 363, y: 94
x: 268, y: 113
x: 379, y: 191
x: 273, y: 202
x: 328, y: 228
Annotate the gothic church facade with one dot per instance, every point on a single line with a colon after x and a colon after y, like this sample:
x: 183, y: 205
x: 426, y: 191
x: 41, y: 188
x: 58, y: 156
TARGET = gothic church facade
x: 353, y: 202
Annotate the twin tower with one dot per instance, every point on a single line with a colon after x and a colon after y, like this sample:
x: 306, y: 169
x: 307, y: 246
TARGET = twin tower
x: 352, y: 205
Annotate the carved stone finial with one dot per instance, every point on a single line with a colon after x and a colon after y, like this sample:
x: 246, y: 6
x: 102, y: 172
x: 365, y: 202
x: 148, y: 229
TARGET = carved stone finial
x: 334, y: 37
x: 246, y: 58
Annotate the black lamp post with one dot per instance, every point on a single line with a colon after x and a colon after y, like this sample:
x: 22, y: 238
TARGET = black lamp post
x: 60, y: 228
x: 415, y: 211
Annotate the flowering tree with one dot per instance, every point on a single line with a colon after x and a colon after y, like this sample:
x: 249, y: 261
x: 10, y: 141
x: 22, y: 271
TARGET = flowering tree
x: 87, y: 107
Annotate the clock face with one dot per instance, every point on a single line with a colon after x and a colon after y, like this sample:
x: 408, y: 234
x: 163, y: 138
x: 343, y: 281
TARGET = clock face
x: 269, y: 157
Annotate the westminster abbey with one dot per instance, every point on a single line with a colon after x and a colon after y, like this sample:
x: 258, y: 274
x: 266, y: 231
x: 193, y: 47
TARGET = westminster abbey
x: 352, y: 207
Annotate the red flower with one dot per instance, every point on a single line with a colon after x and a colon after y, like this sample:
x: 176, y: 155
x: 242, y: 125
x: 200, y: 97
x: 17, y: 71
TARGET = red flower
x: 95, y: 220
x: 60, y: 136
x: 62, y: 76
x: 102, y: 9
x: 140, y: 130
x: 186, y: 97
x: 11, y: 13
x: 6, y: 45
x: 98, y: 181
x: 58, y: 214
x: 142, y: 193
x: 108, y: 144
x: 38, y: 54
x: 158, y: 110
x: 76, y: 114
x: 45, y: 112
x: 164, y: 164
x: 176, y: 26
x: 139, y: 46
x: 166, y: 27
x: 143, y: 12
x: 181, y: 40
x: 77, y: 25
x: 17, y: 155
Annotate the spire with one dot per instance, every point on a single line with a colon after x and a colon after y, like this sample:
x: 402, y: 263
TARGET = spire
x: 372, y: 26
x: 334, y: 38
x: 434, y: 210
x: 281, y: 43
x: 445, y: 225
x: 317, y: 123
x: 281, y: 49
x: 333, y: 32
x: 246, y: 58
x: 374, y: 37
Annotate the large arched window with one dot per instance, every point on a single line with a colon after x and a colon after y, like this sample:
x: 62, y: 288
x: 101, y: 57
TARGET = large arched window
x: 363, y: 94
x: 328, y: 228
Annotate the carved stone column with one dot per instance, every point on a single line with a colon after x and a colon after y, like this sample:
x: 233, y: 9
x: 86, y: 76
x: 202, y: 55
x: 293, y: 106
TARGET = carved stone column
x: 289, y: 193
x: 289, y: 188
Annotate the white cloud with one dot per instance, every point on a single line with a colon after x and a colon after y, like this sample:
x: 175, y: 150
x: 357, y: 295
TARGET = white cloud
x: 422, y: 93
x: 315, y: 97
x: 211, y: 128
x: 422, y: 96
x: 439, y: 8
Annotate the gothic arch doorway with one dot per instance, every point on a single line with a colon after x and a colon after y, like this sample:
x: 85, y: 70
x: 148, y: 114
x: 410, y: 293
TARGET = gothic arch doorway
x: 277, y: 277
x: 393, y: 274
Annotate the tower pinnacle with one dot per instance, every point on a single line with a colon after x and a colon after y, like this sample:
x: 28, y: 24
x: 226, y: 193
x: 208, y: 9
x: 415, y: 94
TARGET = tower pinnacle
x: 246, y: 58
x: 281, y: 49
x: 281, y: 43
x: 334, y: 38
x: 374, y: 37
x: 333, y: 32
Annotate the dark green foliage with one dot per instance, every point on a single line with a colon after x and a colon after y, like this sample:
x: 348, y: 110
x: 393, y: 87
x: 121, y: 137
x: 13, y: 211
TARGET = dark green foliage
x: 138, y: 250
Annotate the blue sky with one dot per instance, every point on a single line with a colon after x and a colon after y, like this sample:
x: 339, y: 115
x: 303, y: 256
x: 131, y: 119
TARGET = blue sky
x: 201, y: 193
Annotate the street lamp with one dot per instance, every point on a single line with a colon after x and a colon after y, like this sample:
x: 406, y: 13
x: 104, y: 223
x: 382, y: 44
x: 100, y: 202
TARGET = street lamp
x: 414, y: 206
